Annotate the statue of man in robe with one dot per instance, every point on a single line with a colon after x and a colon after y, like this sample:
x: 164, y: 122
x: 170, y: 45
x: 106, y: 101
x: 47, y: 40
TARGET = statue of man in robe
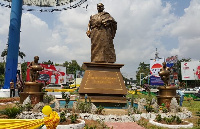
x: 102, y: 29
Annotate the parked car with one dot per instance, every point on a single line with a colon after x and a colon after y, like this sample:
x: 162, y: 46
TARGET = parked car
x: 53, y: 86
x: 65, y: 86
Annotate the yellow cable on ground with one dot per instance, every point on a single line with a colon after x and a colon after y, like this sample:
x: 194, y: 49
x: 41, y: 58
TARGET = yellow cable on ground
x: 20, y: 123
x: 51, y: 121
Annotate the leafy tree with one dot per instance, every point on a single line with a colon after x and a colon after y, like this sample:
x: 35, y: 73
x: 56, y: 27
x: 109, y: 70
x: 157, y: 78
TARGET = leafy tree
x: 2, y: 64
x: 143, y: 68
x: 58, y: 64
x: 66, y: 64
x: 4, y: 53
x: 72, y: 67
x: 2, y: 69
x: 23, y: 70
x: 20, y: 54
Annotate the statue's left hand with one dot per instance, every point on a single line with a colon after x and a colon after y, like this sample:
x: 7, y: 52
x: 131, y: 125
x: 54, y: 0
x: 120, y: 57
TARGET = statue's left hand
x: 88, y: 33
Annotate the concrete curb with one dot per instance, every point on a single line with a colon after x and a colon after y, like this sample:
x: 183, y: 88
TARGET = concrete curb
x: 71, y: 126
x: 190, y: 125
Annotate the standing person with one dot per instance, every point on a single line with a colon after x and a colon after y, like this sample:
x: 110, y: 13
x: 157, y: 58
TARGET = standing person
x: 12, y: 89
x: 101, y: 29
x: 19, y: 87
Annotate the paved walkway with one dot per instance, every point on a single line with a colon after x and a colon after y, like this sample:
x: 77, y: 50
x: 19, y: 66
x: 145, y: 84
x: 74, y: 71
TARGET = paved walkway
x: 123, y: 125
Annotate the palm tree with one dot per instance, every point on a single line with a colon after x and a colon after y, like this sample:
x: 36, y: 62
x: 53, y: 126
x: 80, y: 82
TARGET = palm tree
x: 5, y: 52
x: 21, y: 54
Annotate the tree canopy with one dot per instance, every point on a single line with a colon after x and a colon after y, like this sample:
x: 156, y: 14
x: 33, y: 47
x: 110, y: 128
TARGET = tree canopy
x: 72, y: 67
x: 144, y: 69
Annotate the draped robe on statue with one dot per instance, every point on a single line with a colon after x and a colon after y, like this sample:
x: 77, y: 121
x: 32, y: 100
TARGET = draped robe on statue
x: 103, y: 29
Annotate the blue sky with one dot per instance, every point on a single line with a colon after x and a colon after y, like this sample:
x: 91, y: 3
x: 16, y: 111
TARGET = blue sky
x: 171, y: 26
x: 177, y: 5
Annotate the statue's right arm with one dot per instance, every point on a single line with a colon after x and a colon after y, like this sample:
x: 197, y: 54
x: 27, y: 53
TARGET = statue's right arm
x: 88, y: 30
x: 29, y: 66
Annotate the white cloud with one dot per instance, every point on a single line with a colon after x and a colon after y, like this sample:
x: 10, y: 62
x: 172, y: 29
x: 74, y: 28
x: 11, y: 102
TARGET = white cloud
x: 187, y: 29
x: 142, y: 25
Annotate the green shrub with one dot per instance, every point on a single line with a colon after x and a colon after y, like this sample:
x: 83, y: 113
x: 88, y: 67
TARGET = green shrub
x: 48, y: 98
x: 142, y: 123
x: 28, y: 106
x: 99, y: 110
x: 84, y: 107
x: 62, y: 117
x: 172, y: 119
x: 66, y: 97
x: 132, y: 99
x: 149, y: 108
x: 11, y: 112
x: 165, y: 110
x: 178, y: 120
x: 158, y: 118
x: 73, y: 118
x: 19, y: 106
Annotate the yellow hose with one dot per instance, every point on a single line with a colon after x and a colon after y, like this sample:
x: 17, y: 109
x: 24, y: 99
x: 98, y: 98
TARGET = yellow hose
x: 51, y: 121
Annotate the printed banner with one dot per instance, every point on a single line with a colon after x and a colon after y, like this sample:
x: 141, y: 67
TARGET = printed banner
x: 190, y: 70
x: 155, y: 66
x: 51, y: 74
x: 70, y: 77
x: 79, y: 74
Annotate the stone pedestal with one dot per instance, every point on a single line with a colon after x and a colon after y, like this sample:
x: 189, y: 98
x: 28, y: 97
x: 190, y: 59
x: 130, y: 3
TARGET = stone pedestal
x: 166, y: 94
x: 103, y: 83
x: 34, y: 89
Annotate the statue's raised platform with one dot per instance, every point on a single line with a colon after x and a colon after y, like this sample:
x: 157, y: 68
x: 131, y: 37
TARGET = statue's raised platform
x: 166, y: 93
x: 34, y: 90
x: 103, y: 83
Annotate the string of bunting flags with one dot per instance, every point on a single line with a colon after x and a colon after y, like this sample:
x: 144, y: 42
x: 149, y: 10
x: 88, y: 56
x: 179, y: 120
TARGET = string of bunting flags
x: 58, y: 7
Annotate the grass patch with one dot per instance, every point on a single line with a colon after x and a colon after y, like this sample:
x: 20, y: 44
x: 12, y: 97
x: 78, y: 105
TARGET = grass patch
x: 193, y: 106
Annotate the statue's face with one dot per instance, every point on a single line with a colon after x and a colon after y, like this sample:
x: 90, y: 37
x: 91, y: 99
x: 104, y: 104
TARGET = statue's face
x: 36, y: 58
x: 164, y: 64
x: 100, y: 7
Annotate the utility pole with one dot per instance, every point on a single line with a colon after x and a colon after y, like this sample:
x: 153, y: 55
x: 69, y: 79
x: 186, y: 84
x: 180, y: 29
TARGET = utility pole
x: 140, y: 78
x: 13, y: 43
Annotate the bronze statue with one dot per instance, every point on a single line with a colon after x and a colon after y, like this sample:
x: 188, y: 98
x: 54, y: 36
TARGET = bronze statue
x: 164, y: 74
x: 34, y: 69
x: 101, y: 29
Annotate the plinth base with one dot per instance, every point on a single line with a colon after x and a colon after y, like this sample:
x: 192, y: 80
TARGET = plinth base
x: 103, y: 82
x: 34, y: 89
x: 35, y: 97
x: 166, y: 94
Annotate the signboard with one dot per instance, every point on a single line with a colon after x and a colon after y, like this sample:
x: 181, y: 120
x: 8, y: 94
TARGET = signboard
x: 51, y: 74
x: 155, y: 66
x: 171, y: 61
x: 79, y: 74
x: 190, y: 70
x: 69, y: 77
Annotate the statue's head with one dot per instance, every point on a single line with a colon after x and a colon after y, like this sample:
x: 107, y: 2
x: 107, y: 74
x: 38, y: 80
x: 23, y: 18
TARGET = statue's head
x: 164, y: 64
x: 36, y: 58
x: 100, y: 7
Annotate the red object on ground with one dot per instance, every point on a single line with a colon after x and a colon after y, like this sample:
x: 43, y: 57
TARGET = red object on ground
x: 124, y: 125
